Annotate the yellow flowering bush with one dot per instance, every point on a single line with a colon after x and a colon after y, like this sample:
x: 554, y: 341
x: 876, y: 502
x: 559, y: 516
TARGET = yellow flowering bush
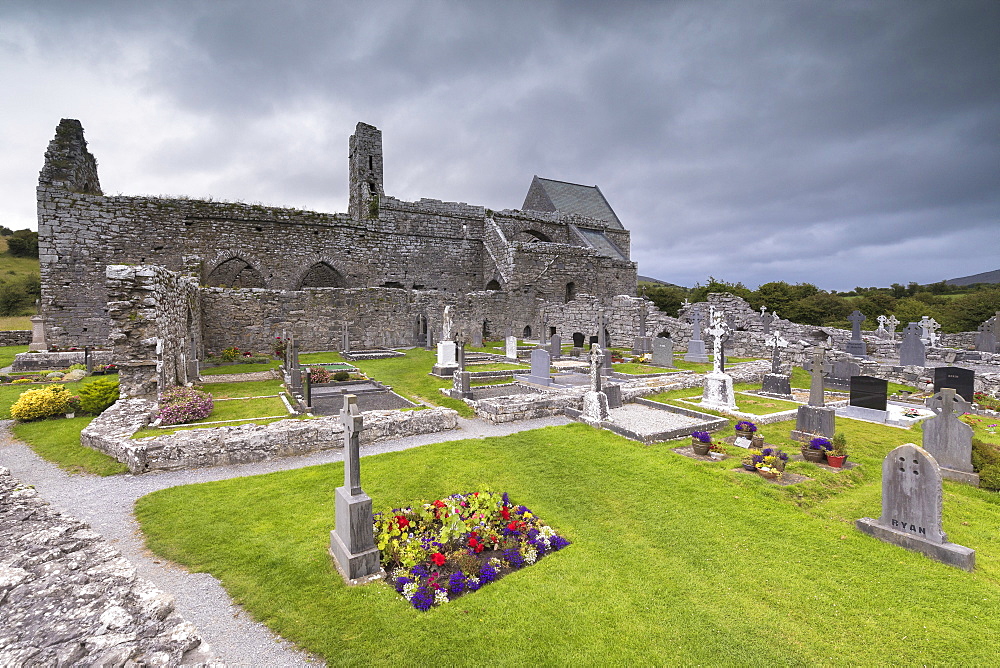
x: 41, y: 403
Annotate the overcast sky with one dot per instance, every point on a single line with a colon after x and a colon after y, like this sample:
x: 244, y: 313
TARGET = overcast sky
x: 836, y: 143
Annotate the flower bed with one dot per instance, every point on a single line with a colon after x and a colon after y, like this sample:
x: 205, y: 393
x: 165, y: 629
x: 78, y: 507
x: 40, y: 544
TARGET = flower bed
x: 438, y: 551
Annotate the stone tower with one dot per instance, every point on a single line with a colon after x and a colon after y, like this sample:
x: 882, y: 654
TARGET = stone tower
x: 365, y: 171
x: 68, y: 163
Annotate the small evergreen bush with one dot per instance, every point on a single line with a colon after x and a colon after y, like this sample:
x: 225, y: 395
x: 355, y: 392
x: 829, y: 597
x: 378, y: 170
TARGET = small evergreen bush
x: 341, y: 376
x: 99, y: 395
x: 41, y: 403
x: 986, y: 461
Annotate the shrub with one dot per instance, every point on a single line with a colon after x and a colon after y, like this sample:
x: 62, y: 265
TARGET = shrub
x: 75, y: 367
x: 99, y: 395
x: 41, y: 403
x: 184, y: 404
x: 341, y: 376
x: 986, y: 461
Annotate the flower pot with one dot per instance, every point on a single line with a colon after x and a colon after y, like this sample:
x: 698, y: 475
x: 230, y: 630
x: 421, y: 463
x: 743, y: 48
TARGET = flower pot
x: 717, y: 455
x: 769, y: 475
x: 812, y: 455
x: 757, y: 441
x: 740, y: 433
x: 836, y: 461
x: 701, y: 448
x: 750, y: 467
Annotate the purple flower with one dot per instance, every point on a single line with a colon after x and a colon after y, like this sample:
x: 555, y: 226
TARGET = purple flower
x: 487, y: 574
x: 456, y: 583
x: 513, y: 557
x: 423, y: 598
x: 558, y: 542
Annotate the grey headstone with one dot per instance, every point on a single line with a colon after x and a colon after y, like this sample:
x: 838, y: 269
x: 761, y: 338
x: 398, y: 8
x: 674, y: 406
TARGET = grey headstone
x: 614, y: 393
x: 911, y: 508
x: 540, y: 371
x: 819, y: 368
x: 840, y: 375
x: 811, y: 421
x: 776, y: 383
x: 949, y: 439
x: 856, y: 346
x: 696, y: 352
x: 912, y: 351
x: 663, y: 352
x: 461, y: 383
x: 352, y: 542
x: 477, y: 339
x: 555, y: 347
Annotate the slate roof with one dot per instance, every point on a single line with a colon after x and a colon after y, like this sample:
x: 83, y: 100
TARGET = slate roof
x: 551, y: 195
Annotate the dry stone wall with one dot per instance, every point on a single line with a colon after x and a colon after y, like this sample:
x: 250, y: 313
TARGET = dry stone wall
x: 17, y: 337
x: 68, y: 598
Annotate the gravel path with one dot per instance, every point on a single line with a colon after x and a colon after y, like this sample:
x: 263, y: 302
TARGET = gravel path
x: 106, y: 503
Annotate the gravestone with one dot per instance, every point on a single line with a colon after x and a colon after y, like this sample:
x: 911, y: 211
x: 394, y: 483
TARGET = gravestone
x: 776, y: 382
x: 891, y: 323
x: 477, y: 339
x: 544, y: 332
x: 38, y: 341
x: 930, y: 329
x: 540, y: 371
x: 840, y: 375
x: 869, y: 392
x: 430, y: 336
x: 949, y: 439
x: 295, y: 373
x: 961, y: 380
x: 766, y: 319
x: 717, y: 392
x: 461, y: 385
x: 643, y: 344
x: 595, y: 402
x: 882, y: 332
x: 352, y: 542
x: 911, y: 508
x: 555, y: 347
x: 345, y: 338
x: 696, y: 347
x: 511, y: 350
x: 986, y: 338
x: 856, y: 346
x: 602, y: 331
x: 911, y: 350
x: 815, y: 419
x: 663, y: 352
x: 614, y: 393
x: 578, y: 340
x: 447, y: 359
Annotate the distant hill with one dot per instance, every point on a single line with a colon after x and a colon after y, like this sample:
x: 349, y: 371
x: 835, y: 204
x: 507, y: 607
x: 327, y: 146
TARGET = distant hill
x: 985, y: 277
x: 648, y: 279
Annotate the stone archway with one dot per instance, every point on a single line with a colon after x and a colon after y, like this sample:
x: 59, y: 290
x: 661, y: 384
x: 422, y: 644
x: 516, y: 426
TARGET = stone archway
x: 321, y: 275
x: 235, y: 272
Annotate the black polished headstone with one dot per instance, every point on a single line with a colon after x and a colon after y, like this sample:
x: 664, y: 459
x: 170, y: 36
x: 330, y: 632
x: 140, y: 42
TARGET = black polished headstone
x: 578, y: 339
x: 962, y: 380
x: 869, y: 392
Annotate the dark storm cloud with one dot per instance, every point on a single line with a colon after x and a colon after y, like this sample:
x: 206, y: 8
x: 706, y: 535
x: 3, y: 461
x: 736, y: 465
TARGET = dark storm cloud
x: 837, y: 143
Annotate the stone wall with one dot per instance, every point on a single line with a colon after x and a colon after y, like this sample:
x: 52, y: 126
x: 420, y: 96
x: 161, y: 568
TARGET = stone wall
x: 381, y: 242
x: 155, y: 318
x: 16, y: 337
x: 214, y: 446
x: 68, y: 598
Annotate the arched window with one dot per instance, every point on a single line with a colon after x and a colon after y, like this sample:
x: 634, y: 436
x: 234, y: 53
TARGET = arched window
x: 235, y: 273
x: 526, y: 334
x: 533, y: 236
x: 322, y: 275
x: 493, y: 285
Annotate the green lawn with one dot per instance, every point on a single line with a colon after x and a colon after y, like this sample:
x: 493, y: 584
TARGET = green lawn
x: 673, y: 561
x: 749, y: 403
x: 7, y: 354
x: 639, y: 369
x: 250, y: 388
x: 239, y: 368
x: 497, y: 366
x: 58, y: 441
x: 801, y: 379
x: 15, y: 322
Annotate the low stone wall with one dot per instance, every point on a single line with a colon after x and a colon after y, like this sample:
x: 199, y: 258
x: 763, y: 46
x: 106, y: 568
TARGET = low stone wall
x: 15, y: 337
x: 239, y: 444
x: 46, y: 361
x: 68, y: 598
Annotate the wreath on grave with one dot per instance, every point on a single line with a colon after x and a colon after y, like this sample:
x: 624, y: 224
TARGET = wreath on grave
x: 438, y: 551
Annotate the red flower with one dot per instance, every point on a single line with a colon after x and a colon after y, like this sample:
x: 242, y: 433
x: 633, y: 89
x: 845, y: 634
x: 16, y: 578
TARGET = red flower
x: 438, y: 558
x: 505, y: 514
x: 476, y: 545
x: 438, y: 504
x: 402, y: 521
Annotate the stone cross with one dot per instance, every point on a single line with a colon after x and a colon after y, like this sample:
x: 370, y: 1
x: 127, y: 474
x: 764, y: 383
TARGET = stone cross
x: 718, y: 330
x: 601, y: 326
x: 596, y: 362
x: 911, y: 350
x: 766, y: 318
x: 776, y: 342
x: 949, y: 439
x: 345, y: 338
x: 446, y: 324
x: 930, y: 327
x: 686, y: 303
x: 856, y: 318
x: 351, y: 418
x: 881, y: 331
x: 695, y: 325
x: 642, y: 319
x: 819, y: 368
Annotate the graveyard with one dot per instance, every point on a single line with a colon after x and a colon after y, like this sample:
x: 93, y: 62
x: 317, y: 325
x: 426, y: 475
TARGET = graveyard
x: 711, y: 485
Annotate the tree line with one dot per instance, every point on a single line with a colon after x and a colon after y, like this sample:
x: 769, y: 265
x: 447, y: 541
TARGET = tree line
x: 18, y: 292
x: 955, y: 308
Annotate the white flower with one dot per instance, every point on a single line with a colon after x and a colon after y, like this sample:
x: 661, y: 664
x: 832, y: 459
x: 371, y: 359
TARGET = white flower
x: 474, y: 579
x: 530, y: 555
x: 440, y: 596
x: 409, y: 589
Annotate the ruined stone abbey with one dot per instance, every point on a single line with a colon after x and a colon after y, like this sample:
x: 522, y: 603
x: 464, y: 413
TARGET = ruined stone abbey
x: 383, y: 271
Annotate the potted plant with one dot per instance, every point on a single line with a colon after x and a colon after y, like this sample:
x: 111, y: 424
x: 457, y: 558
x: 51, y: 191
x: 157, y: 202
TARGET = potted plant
x: 838, y: 454
x: 750, y: 459
x: 746, y: 429
x: 716, y: 452
x: 816, y: 450
x: 701, y: 442
x: 770, y: 463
